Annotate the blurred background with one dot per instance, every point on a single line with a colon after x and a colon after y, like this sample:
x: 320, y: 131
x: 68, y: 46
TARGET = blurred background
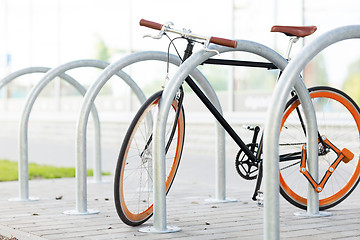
x: 49, y: 33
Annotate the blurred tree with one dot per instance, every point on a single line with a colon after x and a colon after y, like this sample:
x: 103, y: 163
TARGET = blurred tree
x: 216, y: 75
x: 315, y: 72
x: 352, y: 83
x: 102, y: 51
x: 106, y: 53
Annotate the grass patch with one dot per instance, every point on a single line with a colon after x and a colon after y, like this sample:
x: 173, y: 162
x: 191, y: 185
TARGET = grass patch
x: 9, y: 171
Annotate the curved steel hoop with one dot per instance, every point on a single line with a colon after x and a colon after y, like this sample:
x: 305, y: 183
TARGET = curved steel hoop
x: 272, y: 127
x: 81, y: 202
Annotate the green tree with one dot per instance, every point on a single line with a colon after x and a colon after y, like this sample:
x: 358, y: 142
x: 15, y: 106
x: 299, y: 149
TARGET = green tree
x: 352, y: 83
x: 216, y: 75
x: 315, y: 72
x: 102, y: 51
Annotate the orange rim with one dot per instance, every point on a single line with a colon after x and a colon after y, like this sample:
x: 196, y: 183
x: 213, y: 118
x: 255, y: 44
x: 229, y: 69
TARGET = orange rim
x: 143, y: 215
x: 354, y: 177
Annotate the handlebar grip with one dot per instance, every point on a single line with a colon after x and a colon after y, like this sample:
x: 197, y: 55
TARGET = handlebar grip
x: 150, y: 24
x: 224, y: 42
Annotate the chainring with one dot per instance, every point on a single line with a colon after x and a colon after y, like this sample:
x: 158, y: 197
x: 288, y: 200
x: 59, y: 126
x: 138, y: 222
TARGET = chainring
x: 245, y: 167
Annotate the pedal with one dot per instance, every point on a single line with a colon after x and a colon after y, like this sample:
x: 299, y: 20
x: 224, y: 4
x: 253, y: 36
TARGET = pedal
x: 260, y: 198
x: 248, y: 127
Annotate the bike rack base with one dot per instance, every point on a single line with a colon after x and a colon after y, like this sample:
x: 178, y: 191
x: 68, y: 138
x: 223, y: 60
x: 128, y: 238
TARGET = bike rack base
x: 92, y: 181
x: 29, y: 199
x: 76, y: 212
x: 151, y: 229
x: 311, y: 215
x: 226, y: 200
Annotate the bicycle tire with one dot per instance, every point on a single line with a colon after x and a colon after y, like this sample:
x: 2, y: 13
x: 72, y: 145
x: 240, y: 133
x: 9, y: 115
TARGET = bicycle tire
x: 133, y: 176
x: 338, y: 118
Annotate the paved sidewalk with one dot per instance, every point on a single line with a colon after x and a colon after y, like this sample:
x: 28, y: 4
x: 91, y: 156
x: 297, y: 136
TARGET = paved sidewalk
x: 187, y: 208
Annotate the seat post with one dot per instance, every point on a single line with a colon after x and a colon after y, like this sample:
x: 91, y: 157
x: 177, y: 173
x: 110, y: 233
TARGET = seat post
x: 291, y: 42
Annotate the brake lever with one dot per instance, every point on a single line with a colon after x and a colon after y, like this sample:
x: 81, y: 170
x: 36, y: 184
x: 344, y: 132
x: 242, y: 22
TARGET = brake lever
x: 207, y: 49
x: 166, y: 26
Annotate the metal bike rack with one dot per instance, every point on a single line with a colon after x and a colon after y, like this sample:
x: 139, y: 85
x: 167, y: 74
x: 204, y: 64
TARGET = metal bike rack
x: 36, y: 90
x: 159, y: 156
x: 9, y: 78
x: 272, y: 127
x: 81, y: 203
x: 169, y: 93
x: 23, y: 128
x: 23, y: 166
x: 81, y: 208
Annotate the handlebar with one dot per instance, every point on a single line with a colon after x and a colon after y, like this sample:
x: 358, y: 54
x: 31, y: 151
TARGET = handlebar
x: 223, y: 42
x: 187, y: 34
x: 150, y: 24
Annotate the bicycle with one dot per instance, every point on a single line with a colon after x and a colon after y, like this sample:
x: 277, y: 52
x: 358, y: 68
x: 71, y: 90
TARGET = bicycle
x: 133, y: 176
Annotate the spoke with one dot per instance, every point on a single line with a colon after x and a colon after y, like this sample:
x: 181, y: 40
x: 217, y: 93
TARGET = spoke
x: 291, y: 165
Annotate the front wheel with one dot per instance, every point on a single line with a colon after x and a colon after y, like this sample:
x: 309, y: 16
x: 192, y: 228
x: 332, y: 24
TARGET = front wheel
x: 338, y: 119
x: 134, y: 176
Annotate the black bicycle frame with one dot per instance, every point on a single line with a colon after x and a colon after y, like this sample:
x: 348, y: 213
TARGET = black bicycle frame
x: 208, y: 103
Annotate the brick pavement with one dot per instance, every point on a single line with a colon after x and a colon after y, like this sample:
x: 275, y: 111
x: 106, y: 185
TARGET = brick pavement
x: 187, y: 209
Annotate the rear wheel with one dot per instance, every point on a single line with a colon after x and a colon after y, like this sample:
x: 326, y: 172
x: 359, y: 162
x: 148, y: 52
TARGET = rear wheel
x: 134, y: 176
x: 338, y: 119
